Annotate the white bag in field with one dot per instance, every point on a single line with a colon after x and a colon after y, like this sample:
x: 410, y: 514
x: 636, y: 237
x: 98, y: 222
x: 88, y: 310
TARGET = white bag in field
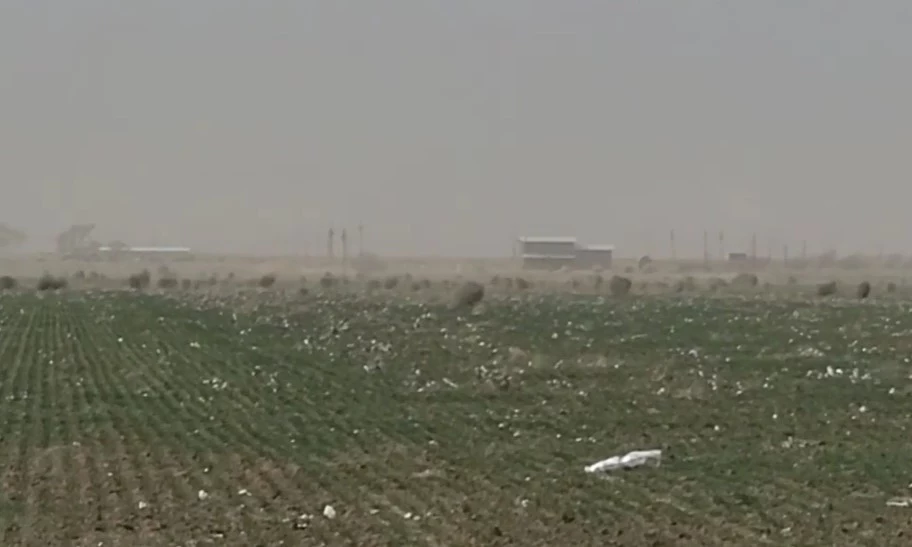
x: 631, y: 459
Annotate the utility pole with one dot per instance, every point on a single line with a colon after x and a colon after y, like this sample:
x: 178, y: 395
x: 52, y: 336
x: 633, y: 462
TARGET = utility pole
x: 330, y: 252
x: 344, y: 239
x: 804, y: 250
x: 674, y: 251
x: 721, y: 245
x: 360, y: 239
x: 754, y: 248
x: 705, y: 249
x: 785, y: 254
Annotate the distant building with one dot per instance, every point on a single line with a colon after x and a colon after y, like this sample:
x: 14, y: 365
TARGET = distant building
x: 547, y: 253
x: 554, y: 253
x: 547, y: 262
x: 594, y: 256
x: 548, y: 245
x: 737, y: 257
x: 144, y: 252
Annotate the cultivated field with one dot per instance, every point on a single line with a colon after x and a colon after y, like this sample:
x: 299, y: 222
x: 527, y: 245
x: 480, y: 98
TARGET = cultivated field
x: 187, y: 418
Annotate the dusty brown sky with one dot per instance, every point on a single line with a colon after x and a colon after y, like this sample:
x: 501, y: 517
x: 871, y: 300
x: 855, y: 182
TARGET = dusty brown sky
x: 449, y: 127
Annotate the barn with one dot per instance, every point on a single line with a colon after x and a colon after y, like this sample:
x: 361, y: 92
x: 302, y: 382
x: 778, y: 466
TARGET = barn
x: 547, y: 253
x: 162, y: 253
x: 554, y: 253
x: 594, y: 256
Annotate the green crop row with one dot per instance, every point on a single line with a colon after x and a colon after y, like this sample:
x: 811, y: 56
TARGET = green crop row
x: 160, y: 420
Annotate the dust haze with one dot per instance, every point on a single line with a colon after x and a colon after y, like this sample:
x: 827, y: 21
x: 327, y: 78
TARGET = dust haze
x: 450, y: 128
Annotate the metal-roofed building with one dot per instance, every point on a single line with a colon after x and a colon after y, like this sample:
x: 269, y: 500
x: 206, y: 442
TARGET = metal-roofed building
x: 547, y: 253
x: 548, y: 245
x: 594, y: 256
x: 553, y: 253
x: 170, y: 252
x: 151, y: 250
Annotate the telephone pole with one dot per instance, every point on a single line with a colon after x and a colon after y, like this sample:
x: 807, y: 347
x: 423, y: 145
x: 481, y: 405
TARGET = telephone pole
x: 360, y: 239
x: 344, y: 239
x: 705, y: 249
x: 721, y: 245
x: 754, y: 248
x: 674, y: 251
x: 330, y: 252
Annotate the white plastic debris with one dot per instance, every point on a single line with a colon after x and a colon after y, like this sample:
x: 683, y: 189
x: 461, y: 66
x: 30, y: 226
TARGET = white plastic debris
x: 899, y: 502
x: 631, y: 459
x: 202, y: 494
x: 329, y: 512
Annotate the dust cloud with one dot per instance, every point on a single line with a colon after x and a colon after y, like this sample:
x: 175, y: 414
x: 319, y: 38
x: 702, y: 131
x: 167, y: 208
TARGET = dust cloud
x: 450, y: 128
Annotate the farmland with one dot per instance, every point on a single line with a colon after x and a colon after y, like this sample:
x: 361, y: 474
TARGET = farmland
x: 156, y: 419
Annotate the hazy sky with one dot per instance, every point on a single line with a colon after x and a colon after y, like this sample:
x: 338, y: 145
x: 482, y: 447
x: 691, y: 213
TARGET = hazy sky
x: 450, y: 126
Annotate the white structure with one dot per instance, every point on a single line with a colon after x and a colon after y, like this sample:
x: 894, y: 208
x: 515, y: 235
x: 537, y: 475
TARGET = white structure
x: 179, y: 250
x: 553, y: 253
x: 551, y: 246
x: 145, y: 252
x: 594, y: 256
x: 547, y: 253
